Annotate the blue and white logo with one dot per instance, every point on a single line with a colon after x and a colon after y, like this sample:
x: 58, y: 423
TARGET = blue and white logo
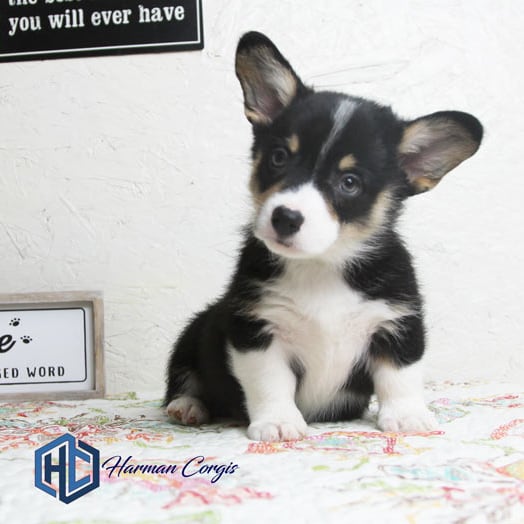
x: 76, y: 466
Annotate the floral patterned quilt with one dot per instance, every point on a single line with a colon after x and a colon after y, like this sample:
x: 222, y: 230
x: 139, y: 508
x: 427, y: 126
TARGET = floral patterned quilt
x: 469, y: 471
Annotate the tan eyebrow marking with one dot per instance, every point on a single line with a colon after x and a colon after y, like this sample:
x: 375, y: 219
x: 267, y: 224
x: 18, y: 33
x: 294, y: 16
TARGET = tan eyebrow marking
x: 347, y: 162
x: 293, y: 143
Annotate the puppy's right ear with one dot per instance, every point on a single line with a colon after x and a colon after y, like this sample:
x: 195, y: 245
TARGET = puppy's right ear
x: 268, y: 81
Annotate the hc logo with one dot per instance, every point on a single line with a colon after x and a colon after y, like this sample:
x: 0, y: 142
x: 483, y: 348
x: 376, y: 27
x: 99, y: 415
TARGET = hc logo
x: 71, y: 455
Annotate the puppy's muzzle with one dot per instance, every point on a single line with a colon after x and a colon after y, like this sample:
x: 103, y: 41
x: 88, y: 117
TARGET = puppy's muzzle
x: 286, y: 222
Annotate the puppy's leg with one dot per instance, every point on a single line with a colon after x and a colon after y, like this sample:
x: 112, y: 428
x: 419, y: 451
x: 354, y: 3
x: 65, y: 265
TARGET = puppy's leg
x: 182, y: 398
x: 269, y: 387
x: 395, y: 352
x: 187, y: 410
x: 400, y: 396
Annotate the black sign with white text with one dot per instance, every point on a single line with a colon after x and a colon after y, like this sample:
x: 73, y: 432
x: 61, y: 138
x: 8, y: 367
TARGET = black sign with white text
x: 38, y: 29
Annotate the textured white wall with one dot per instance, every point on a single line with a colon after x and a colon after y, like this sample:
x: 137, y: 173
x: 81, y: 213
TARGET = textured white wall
x: 128, y: 174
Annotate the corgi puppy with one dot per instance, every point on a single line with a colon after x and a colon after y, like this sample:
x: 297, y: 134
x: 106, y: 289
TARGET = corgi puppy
x: 323, y: 309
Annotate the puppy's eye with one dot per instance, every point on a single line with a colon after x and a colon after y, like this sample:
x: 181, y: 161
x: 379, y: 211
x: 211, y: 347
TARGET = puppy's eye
x: 350, y: 184
x: 279, y: 157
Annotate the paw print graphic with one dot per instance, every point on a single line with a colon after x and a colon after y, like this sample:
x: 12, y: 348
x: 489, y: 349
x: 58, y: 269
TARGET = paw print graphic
x: 26, y: 339
x: 15, y: 322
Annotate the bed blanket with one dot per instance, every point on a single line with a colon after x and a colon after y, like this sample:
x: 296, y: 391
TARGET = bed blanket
x: 471, y: 470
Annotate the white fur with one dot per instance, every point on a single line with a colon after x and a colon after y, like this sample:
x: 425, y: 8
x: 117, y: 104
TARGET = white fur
x: 318, y: 232
x: 400, y: 396
x: 318, y: 320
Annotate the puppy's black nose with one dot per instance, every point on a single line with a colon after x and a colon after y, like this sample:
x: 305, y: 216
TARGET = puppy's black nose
x: 285, y: 221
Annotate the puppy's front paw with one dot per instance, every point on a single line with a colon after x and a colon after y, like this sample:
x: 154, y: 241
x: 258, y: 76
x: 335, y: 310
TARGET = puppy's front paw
x: 406, y: 416
x: 187, y: 410
x: 277, y: 431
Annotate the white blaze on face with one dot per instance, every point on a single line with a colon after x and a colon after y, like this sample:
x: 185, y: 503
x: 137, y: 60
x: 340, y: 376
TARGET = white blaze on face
x: 318, y: 232
x: 341, y: 116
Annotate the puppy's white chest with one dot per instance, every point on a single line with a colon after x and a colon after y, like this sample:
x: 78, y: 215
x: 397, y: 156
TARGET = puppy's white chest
x: 323, y: 324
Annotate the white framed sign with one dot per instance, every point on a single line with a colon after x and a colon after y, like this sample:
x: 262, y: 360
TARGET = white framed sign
x: 51, y: 346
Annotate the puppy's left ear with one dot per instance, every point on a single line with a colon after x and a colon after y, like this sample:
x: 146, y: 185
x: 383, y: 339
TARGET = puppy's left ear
x: 268, y: 81
x: 433, y: 145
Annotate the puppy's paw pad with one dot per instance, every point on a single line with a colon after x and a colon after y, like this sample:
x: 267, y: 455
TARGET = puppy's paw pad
x: 406, y: 417
x: 277, y: 431
x: 188, y: 411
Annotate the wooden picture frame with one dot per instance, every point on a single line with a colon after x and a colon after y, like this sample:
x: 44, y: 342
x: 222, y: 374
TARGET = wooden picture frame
x: 51, y: 346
